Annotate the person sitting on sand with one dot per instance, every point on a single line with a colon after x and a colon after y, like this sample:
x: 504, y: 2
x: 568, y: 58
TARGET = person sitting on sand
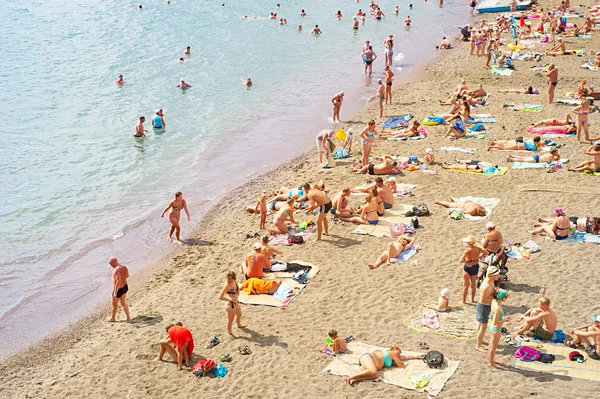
x: 469, y: 207
x: 429, y: 156
x: 542, y: 320
x: 445, y: 45
x: 412, y: 131
x: 586, y: 336
x: 378, y: 200
x: 372, y: 362
x: 478, y: 92
x: 368, y: 213
x: 230, y: 294
x: 391, y: 184
x: 340, y: 204
x: 525, y: 90
x: 284, y: 214
x: 557, y: 228
x: 179, y: 344
x: 256, y: 263
x: 300, y: 194
x: 443, y: 302
x: 558, y: 49
x: 266, y: 250
x: 403, y: 243
x: 384, y: 192
x: 551, y: 156
x: 497, y: 319
x: 256, y: 286
x: 581, y: 89
x: 387, y: 167
x: 472, y: 165
x: 339, y: 344
x: 470, y: 264
x: 555, y: 122
x: 592, y: 165
x: 519, y: 144
x: 457, y: 127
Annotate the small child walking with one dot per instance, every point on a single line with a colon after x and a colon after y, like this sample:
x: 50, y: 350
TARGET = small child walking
x: 262, y: 204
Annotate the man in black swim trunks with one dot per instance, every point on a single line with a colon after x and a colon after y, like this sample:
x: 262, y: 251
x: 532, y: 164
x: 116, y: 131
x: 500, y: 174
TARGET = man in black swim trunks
x: 369, y: 56
x: 318, y: 199
x: 552, y: 77
x: 120, y: 288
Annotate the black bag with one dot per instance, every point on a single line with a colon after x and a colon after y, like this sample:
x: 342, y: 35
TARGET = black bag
x: 434, y: 359
x: 415, y: 222
x: 420, y: 210
x: 546, y: 358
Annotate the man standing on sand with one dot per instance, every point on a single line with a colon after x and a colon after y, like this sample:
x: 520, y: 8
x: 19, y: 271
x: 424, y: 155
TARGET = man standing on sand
x: 484, y: 305
x: 380, y: 96
x: 139, y: 128
x: 120, y: 275
x: 552, y: 77
x: 541, y: 319
x: 318, y: 199
x: 388, y: 85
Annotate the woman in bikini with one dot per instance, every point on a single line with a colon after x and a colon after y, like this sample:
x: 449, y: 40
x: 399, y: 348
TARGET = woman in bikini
x: 368, y: 213
x: 555, y: 122
x: 389, y: 50
x: 175, y: 208
x: 394, y: 249
x: 337, y: 105
x: 470, y: 262
x: 230, y: 294
x: 378, y: 200
x: 412, y: 131
x: 497, y: 319
x: 582, y: 111
x: 515, y: 145
x: 469, y: 207
x: 285, y: 193
x: 368, y: 138
x: 372, y: 362
x: 557, y: 228
x: 552, y: 156
x: 285, y: 213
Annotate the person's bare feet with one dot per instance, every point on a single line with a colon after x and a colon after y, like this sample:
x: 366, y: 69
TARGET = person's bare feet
x: 480, y: 349
x: 110, y: 320
x: 157, y: 359
x: 242, y: 325
x: 496, y: 365
x: 372, y: 267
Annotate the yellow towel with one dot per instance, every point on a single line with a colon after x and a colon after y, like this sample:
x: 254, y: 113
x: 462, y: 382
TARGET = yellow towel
x: 257, y: 284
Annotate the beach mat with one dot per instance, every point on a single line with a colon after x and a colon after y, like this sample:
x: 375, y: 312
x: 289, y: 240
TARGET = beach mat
x: 406, y: 255
x: 383, y: 228
x: 278, y: 239
x: 502, y: 172
x: 458, y: 323
x: 501, y: 71
x: 540, y: 165
x: 346, y: 364
x: 286, y: 277
x: 588, y: 370
x: 459, y: 149
x: 396, y: 122
x: 580, y: 236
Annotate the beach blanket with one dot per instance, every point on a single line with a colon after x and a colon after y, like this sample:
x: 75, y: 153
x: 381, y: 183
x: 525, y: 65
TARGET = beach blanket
x: 488, y: 203
x: 458, y: 323
x: 580, y: 236
x: 422, y: 134
x: 540, y: 165
x: 589, y: 66
x: 406, y: 255
x: 540, y: 68
x: 501, y: 171
x: 567, y: 101
x: 382, y: 229
x: 558, y: 130
x: 346, y: 364
x: 501, y: 71
x: 283, y: 291
x: 475, y: 119
x: 278, y: 239
x: 588, y: 370
x: 532, y: 108
x: 459, y: 149
x: 396, y: 122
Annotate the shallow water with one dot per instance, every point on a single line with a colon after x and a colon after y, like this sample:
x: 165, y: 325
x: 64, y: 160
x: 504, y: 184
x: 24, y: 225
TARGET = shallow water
x: 77, y: 188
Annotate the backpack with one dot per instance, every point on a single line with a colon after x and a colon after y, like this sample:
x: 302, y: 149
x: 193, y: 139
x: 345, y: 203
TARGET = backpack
x: 202, y: 367
x: 546, y: 358
x: 292, y: 239
x: 434, y: 359
x: 301, y: 276
x: 420, y: 210
x: 527, y: 354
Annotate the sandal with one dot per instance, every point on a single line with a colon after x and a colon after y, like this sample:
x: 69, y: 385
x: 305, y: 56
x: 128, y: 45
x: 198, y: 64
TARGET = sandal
x: 504, y: 331
x: 225, y: 358
x: 244, y: 350
x: 423, y: 345
x: 570, y: 344
x: 214, y: 341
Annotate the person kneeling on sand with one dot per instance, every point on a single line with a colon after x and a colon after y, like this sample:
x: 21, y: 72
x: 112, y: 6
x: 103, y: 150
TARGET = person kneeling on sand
x: 587, y: 337
x: 387, y: 167
x: 179, y: 344
x: 443, y: 302
x: 542, y: 320
x: 469, y: 207
x: 372, y: 362
x: 340, y: 204
x: 394, y: 249
x: 256, y: 263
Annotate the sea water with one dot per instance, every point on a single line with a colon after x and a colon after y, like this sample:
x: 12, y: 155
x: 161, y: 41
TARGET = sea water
x: 76, y: 187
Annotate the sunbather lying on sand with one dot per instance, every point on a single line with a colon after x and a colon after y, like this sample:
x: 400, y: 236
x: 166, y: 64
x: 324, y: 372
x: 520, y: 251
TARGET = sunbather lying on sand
x: 256, y: 286
x: 593, y: 165
x: 551, y: 156
x: 410, y: 132
x: 468, y: 206
x: 524, y: 90
x: 472, y: 165
x: 515, y: 145
x: 402, y: 244
x: 387, y: 167
x: 442, y: 305
x: 372, y: 362
x: 557, y: 228
x: 368, y: 213
x: 300, y: 194
x: 555, y: 122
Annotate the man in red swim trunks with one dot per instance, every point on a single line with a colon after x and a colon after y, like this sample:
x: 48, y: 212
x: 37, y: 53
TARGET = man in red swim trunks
x: 120, y: 288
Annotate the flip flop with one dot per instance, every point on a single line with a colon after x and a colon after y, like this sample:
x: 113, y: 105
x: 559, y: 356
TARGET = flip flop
x: 423, y: 345
x: 214, y: 341
x: 244, y: 350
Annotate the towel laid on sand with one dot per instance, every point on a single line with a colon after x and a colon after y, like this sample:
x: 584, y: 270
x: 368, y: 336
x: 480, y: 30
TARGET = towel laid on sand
x: 459, y: 149
x: 396, y: 122
x: 580, y: 236
x: 501, y: 71
x: 278, y: 239
x: 346, y: 364
x: 544, y: 130
x: 540, y: 165
x: 458, y: 323
x: 430, y: 319
x: 501, y: 171
x: 562, y: 366
x: 406, y: 255
x: 488, y: 203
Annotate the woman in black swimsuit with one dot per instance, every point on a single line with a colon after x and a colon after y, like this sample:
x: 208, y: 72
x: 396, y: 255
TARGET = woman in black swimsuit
x: 230, y: 293
x: 176, y: 206
x: 557, y: 229
x: 470, y: 261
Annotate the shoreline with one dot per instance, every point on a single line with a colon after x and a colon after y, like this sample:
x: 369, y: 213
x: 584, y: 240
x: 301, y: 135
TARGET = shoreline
x: 276, y: 333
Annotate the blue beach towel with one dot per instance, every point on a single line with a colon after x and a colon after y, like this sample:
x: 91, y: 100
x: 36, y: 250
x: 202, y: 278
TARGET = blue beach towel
x: 396, y: 122
x: 283, y: 291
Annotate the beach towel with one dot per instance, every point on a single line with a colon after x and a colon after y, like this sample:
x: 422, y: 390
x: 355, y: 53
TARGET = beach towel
x: 488, y: 203
x: 419, y: 137
x: 501, y: 171
x: 278, y: 239
x: 458, y: 323
x: 540, y: 165
x: 382, y: 229
x: 567, y: 101
x: 257, y: 284
x: 459, y: 149
x: 406, y: 255
x: 475, y: 119
x: 580, y: 236
x: 430, y: 319
x: 346, y: 364
x: 588, y: 370
x: 540, y: 68
x: 558, y: 130
x: 286, y: 278
x: 501, y: 71
x: 532, y: 108
x: 396, y: 122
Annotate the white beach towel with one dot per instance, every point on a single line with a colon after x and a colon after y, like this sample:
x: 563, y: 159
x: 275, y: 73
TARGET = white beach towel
x: 406, y: 255
x: 459, y: 149
x: 488, y: 203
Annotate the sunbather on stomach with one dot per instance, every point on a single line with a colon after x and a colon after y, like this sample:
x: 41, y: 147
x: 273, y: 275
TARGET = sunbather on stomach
x: 472, y: 165
x: 519, y: 144
x: 468, y: 206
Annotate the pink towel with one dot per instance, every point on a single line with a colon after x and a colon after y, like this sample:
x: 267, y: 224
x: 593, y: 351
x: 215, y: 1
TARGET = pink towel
x: 430, y: 319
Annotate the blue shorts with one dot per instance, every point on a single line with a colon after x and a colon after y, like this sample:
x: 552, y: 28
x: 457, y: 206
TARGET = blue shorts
x: 373, y: 221
x: 483, y: 313
x: 537, y: 158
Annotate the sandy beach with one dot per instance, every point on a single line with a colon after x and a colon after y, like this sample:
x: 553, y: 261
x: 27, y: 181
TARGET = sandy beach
x: 96, y: 359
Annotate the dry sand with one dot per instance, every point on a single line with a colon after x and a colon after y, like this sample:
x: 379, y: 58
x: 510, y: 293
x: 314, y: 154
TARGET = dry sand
x: 96, y: 359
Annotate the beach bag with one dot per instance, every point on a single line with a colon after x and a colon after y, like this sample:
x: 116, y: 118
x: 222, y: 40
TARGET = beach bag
x: 341, y: 154
x: 456, y: 215
x: 420, y: 210
x: 396, y: 229
x: 202, y: 367
x: 546, y: 358
x: 527, y: 354
x: 300, y: 276
x: 434, y: 359
x: 477, y: 127
x: 220, y: 371
x: 292, y: 239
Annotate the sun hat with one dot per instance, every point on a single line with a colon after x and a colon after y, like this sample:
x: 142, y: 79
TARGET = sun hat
x: 429, y: 151
x: 470, y: 239
x: 392, y: 178
x: 493, y: 271
x: 596, y: 318
x: 490, y: 226
x: 257, y: 245
x: 445, y: 293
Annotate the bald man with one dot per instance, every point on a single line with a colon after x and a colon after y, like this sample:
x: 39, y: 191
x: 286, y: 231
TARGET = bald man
x: 120, y: 288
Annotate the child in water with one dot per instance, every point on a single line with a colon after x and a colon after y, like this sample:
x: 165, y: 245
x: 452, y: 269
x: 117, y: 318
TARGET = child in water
x: 442, y: 305
x: 262, y: 203
x: 339, y: 343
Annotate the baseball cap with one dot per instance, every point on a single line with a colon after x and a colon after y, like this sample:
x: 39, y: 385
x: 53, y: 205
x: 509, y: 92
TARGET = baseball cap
x: 596, y: 318
x: 257, y: 245
x: 493, y: 271
x: 429, y: 151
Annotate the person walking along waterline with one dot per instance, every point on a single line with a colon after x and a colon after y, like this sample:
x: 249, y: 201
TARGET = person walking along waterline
x: 120, y: 288
x: 174, y: 215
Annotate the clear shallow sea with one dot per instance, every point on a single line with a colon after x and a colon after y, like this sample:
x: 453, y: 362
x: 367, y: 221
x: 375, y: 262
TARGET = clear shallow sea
x: 77, y: 188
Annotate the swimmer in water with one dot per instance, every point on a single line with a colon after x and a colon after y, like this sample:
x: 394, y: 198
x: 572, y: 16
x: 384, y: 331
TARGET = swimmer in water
x: 181, y: 59
x: 121, y: 80
x: 397, y: 10
x: 280, y: 21
x: 389, y: 49
x: 299, y: 28
x: 338, y: 15
x: 302, y: 13
x: 159, y: 120
x: 379, y: 14
x: 183, y: 84
x: 316, y: 30
x: 248, y: 82
x: 139, y: 128
x: 140, y: 7
x: 410, y: 6
x: 407, y: 21
x: 285, y: 21
x: 188, y: 50
x: 355, y: 24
